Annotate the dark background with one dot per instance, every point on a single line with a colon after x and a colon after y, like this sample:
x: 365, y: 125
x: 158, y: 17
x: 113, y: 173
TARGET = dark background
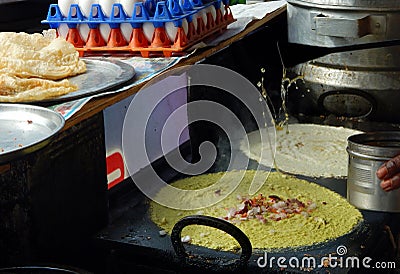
x: 24, y: 15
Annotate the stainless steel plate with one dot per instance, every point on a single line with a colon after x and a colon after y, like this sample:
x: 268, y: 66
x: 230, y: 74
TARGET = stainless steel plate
x: 101, y: 75
x: 10, y: 1
x: 26, y: 128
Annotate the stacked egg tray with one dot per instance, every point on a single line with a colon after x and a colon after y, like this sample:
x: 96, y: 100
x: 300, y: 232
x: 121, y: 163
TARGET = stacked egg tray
x: 218, y: 17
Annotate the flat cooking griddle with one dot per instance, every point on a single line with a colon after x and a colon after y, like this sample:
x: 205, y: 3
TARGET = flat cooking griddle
x: 136, y: 234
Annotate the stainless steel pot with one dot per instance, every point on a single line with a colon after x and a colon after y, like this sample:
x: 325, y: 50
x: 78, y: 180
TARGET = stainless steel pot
x: 355, y: 83
x: 361, y: 83
x: 367, y: 152
x: 332, y: 23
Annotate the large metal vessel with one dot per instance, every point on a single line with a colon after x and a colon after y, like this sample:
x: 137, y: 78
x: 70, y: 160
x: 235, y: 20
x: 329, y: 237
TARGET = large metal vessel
x: 362, y: 84
x: 333, y: 23
x: 354, y: 83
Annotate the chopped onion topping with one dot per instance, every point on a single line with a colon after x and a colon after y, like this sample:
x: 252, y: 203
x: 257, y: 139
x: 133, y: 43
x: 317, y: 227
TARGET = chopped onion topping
x: 186, y: 239
x: 265, y: 208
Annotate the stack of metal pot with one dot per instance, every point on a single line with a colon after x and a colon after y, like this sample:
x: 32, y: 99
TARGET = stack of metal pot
x: 355, y: 83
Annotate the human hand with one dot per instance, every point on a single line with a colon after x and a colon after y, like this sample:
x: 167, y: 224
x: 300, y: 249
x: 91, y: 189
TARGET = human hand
x: 389, y: 173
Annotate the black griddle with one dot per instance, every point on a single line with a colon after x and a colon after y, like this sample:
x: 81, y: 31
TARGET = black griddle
x: 133, y: 242
x: 135, y: 245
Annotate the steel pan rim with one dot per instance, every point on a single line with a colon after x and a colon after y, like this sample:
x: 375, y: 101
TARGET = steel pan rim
x: 358, y: 145
x: 35, y: 145
x: 354, y: 5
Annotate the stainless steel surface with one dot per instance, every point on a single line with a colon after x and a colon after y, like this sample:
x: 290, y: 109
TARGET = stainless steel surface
x: 364, y: 83
x: 26, y: 128
x: 353, y: 4
x: 334, y: 23
x: 352, y: 83
x: 367, y: 152
x: 10, y: 1
x: 384, y: 58
x: 101, y: 75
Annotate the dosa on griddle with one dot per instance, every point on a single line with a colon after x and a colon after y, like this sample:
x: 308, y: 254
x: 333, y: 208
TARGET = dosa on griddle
x: 325, y: 215
x: 305, y: 149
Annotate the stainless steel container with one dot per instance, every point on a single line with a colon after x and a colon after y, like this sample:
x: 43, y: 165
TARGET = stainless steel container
x: 355, y: 83
x: 367, y: 152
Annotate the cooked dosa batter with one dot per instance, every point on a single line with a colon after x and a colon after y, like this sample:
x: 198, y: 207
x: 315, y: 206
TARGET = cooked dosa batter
x: 326, y: 215
x: 306, y: 149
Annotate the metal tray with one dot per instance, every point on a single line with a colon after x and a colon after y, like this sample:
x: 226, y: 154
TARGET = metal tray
x: 102, y: 75
x: 10, y: 1
x: 25, y: 129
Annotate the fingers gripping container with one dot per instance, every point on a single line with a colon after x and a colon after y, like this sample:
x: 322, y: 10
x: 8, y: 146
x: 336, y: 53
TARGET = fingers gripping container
x: 157, y: 28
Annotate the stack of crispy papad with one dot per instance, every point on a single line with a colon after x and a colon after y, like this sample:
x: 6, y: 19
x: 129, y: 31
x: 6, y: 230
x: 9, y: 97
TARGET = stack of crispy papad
x: 35, y: 66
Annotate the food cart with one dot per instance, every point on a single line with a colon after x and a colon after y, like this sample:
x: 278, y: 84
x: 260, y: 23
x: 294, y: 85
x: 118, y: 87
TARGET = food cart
x: 71, y: 203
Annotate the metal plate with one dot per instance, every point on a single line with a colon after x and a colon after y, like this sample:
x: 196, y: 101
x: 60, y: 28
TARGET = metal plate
x: 10, y: 1
x: 26, y: 128
x: 101, y: 75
